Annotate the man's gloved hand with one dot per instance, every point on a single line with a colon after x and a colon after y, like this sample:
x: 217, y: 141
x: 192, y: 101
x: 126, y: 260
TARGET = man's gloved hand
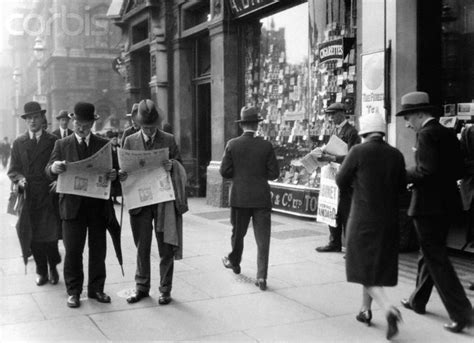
x: 58, y: 167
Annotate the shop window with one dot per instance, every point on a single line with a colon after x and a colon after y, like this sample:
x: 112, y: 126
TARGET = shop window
x: 294, y: 71
x: 140, y: 32
x: 195, y: 13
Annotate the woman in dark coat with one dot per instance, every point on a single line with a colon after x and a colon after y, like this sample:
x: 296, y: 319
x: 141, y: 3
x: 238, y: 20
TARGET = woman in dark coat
x: 376, y: 172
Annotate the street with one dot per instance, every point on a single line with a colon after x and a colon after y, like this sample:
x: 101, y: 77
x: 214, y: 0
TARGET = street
x: 308, y: 298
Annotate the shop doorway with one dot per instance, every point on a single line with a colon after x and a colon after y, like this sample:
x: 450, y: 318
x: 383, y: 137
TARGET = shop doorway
x: 203, y: 133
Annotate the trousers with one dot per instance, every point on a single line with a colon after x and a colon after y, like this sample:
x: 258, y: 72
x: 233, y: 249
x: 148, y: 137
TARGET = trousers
x: 261, y: 219
x: 45, y: 253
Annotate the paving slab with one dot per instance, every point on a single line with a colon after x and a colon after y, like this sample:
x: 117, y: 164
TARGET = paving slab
x: 19, y: 309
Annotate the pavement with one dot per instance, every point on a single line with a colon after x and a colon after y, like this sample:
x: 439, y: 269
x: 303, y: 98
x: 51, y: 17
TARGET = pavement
x: 308, y: 298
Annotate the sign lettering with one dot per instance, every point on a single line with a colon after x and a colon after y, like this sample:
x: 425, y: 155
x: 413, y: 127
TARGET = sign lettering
x: 241, y: 8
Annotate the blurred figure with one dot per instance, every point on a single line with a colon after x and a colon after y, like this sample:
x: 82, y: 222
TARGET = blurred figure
x: 434, y: 203
x: 5, y: 149
x: 372, y: 228
x: 345, y: 131
x: 250, y: 162
x: 63, y: 131
x: 116, y: 189
x: 30, y: 154
x: 133, y: 121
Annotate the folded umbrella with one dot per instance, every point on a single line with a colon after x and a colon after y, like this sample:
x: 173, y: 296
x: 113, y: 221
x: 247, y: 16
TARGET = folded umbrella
x: 23, y: 227
x: 115, y: 231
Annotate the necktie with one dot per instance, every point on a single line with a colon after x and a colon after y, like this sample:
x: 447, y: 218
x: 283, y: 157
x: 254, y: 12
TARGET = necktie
x: 34, y: 139
x: 64, y: 134
x: 149, y: 144
x: 83, y: 148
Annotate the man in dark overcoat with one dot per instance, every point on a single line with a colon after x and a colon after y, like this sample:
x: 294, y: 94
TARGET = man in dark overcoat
x: 434, y: 202
x: 348, y: 133
x: 250, y: 162
x: 63, y: 130
x: 134, y: 127
x: 30, y: 154
x: 144, y: 219
x: 81, y: 216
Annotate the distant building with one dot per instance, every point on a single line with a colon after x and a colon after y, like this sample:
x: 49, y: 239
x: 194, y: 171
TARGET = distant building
x: 79, y: 45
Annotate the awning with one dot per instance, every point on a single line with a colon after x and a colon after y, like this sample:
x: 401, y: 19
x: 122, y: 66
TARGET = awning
x: 115, y: 9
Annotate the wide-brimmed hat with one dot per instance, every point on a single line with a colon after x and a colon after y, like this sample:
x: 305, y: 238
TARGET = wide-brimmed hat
x: 84, y: 111
x: 335, y: 107
x: 249, y: 115
x: 62, y: 114
x: 415, y: 102
x: 31, y: 108
x: 134, y: 110
x: 148, y: 113
x: 370, y: 123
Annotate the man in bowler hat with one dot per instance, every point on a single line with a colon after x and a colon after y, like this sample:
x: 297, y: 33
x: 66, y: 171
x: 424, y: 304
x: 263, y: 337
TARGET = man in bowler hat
x: 30, y: 154
x: 63, y: 131
x: 134, y: 127
x: 144, y: 220
x: 348, y: 133
x: 81, y: 215
x: 250, y: 162
x: 434, y: 201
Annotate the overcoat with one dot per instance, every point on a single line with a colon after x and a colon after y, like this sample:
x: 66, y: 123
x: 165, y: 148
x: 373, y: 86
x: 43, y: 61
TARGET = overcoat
x: 242, y: 162
x: 66, y: 149
x: 28, y: 160
x: 376, y: 172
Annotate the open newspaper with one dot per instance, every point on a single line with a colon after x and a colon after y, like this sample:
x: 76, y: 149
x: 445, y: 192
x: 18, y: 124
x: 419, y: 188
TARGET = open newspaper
x: 148, y: 182
x: 87, y: 177
x: 335, y: 146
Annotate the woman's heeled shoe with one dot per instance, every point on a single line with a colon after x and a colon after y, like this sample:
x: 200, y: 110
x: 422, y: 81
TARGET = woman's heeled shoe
x: 393, y: 317
x: 365, y: 317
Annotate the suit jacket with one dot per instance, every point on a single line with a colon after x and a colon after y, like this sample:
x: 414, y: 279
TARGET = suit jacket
x: 439, y: 164
x: 57, y: 132
x: 128, y: 131
x: 162, y: 140
x: 349, y: 135
x: 250, y: 162
x: 28, y: 161
x: 66, y: 149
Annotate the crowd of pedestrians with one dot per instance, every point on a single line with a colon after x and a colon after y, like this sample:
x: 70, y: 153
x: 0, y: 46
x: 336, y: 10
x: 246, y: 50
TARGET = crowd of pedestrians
x: 367, y: 213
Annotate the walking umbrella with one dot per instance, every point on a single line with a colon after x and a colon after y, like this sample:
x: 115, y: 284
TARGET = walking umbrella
x: 23, y: 227
x: 115, y: 231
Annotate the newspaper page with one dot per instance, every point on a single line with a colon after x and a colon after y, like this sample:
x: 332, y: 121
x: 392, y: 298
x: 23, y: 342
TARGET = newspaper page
x: 87, y: 177
x: 328, y: 195
x: 148, y: 182
x: 336, y: 146
x: 311, y: 162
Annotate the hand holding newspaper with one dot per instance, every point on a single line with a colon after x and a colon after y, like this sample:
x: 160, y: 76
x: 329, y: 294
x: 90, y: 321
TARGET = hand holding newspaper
x: 147, y: 182
x: 335, y: 146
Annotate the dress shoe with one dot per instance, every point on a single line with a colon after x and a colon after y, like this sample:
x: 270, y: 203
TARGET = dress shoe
x: 365, y: 317
x: 100, y: 297
x: 393, y: 317
x: 53, y: 275
x: 41, y: 279
x: 261, y: 283
x: 228, y: 264
x: 329, y: 248
x: 164, y: 299
x: 406, y: 304
x: 139, y: 295
x: 73, y: 301
x: 471, y: 286
x: 455, y: 327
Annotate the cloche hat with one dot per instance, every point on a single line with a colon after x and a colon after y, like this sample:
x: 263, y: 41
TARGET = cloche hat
x: 249, y: 115
x: 31, y: 108
x: 370, y: 123
x: 414, y: 102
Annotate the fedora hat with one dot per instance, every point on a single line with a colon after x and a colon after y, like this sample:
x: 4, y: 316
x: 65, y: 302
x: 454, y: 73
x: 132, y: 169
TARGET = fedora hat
x: 148, y: 113
x: 335, y: 107
x: 62, y: 114
x: 31, y: 108
x: 249, y: 115
x: 414, y: 102
x: 84, y: 111
x: 370, y: 123
x: 134, y: 110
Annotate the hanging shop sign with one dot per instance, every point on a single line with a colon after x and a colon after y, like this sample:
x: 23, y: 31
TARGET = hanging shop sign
x: 373, y: 87
x: 241, y: 8
x: 335, y: 49
x: 292, y: 199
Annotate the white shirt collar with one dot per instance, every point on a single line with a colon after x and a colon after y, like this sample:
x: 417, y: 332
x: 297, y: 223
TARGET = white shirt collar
x: 426, y: 121
x: 79, y: 139
x: 37, y: 134
x: 146, y: 138
x: 63, y: 131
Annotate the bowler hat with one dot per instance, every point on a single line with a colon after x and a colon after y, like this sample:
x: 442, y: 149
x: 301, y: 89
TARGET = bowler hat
x: 31, y: 108
x: 148, y: 113
x: 370, y: 123
x: 134, y: 110
x: 84, y: 111
x: 249, y: 115
x: 335, y: 107
x: 415, y: 102
x: 62, y: 114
